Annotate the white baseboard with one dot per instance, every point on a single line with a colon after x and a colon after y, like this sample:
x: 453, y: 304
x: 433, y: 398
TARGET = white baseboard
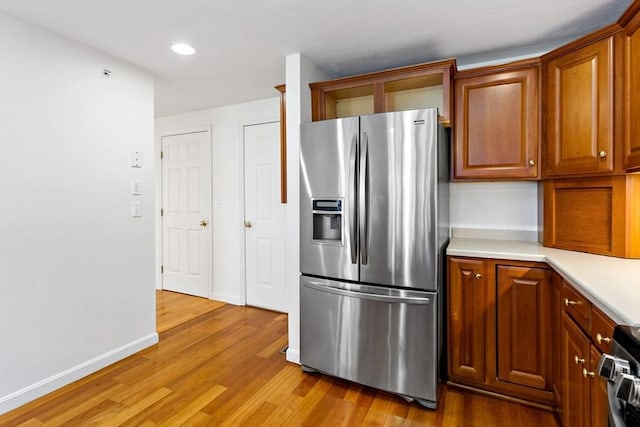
x: 293, y: 355
x: 230, y: 299
x: 34, y: 391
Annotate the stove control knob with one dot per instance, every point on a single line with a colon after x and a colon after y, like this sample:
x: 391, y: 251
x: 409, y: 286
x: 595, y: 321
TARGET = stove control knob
x: 628, y: 389
x: 610, y: 367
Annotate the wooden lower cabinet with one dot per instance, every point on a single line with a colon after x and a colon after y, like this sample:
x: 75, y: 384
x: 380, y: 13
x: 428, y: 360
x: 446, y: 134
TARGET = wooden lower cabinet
x: 598, y: 392
x: 575, y: 386
x: 468, y: 286
x: 498, y: 320
x: 584, y: 393
x: 517, y: 329
x: 523, y: 315
x: 555, y: 327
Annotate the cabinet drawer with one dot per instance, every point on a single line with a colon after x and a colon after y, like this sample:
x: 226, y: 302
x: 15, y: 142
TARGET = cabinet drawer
x: 576, y: 306
x: 601, y: 330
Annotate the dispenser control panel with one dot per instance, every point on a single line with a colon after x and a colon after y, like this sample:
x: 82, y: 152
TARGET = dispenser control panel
x: 328, y: 222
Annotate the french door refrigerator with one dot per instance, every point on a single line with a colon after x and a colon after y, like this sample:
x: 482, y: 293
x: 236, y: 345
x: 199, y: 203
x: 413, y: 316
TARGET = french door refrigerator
x: 374, y: 222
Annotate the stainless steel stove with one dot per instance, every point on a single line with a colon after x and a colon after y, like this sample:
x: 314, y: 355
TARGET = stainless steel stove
x: 622, y: 370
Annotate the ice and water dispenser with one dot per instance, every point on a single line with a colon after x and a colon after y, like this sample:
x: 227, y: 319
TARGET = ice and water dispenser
x: 327, y: 220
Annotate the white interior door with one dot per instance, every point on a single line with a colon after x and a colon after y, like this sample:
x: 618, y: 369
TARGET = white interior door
x: 264, y: 218
x: 186, y: 205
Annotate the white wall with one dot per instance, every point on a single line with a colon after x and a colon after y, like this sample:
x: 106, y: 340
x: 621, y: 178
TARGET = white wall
x: 300, y: 72
x: 227, y: 135
x: 77, y: 289
x: 495, y: 206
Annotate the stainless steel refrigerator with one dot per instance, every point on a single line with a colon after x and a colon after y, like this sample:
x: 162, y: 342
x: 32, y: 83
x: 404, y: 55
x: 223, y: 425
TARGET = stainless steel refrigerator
x: 374, y: 222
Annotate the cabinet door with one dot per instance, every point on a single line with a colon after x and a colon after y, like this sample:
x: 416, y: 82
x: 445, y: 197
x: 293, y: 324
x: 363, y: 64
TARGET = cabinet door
x: 556, y: 332
x: 598, y: 215
x: 496, y: 125
x: 579, y: 107
x: 598, y: 387
x: 467, y: 307
x: 575, y: 356
x: 632, y: 93
x: 524, y: 338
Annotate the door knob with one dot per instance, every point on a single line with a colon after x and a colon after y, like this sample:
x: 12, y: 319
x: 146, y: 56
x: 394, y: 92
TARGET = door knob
x: 203, y: 223
x: 247, y: 224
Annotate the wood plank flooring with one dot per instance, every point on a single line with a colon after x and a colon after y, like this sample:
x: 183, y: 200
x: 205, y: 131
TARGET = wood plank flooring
x: 224, y: 368
x: 173, y: 309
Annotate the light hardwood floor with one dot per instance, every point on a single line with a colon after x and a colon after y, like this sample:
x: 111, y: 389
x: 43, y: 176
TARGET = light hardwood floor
x: 224, y: 368
x: 173, y: 309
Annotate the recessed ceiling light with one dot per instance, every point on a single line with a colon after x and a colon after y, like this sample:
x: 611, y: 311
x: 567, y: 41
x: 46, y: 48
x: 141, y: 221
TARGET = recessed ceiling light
x: 182, y: 49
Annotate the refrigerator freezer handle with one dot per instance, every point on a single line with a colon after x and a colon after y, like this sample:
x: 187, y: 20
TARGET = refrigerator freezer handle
x: 353, y: 170
x: 363, y: 195
x: 364, y: 295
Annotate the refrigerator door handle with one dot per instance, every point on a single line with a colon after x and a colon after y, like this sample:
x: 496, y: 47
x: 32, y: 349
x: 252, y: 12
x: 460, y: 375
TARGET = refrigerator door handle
x: 353, y: 170
x: 363, y: 197
x: 364, y: 295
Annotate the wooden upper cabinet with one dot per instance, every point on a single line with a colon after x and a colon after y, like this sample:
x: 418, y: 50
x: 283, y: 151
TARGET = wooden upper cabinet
x: 398, y: 89
x: 599, y: 215
x: 579, y: 106
x: 496, y: 122
x: 524, y: 315
x: 631, y: 99
x: 467, y: 323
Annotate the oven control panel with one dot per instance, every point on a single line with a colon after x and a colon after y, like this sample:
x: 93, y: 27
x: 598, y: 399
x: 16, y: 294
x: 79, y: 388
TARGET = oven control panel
x: 628, y: 389
x: 622, y: 370
x: 610, y: 367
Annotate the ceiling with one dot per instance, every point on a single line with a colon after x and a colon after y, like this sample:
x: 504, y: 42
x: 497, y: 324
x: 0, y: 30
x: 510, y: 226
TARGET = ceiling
x: 242, y: 44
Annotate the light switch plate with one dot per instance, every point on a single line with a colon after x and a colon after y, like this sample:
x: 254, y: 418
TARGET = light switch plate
x: 136, y: 187
x: 136, y: 209
x: 136, y: 159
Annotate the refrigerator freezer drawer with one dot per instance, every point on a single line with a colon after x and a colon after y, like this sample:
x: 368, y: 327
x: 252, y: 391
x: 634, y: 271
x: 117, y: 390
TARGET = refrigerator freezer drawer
x: 381, y: 337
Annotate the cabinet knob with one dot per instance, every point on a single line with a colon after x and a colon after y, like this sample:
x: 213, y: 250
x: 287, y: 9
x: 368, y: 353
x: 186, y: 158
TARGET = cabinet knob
x: 578, y: 360
x: 588, y: 374
x: 478, y: 276
x: 602, y: 154
x: 532, y: 162
x: 602, y: 339
x: 568, y: 302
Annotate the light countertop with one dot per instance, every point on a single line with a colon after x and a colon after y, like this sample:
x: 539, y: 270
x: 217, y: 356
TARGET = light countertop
x: 612, y: 284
